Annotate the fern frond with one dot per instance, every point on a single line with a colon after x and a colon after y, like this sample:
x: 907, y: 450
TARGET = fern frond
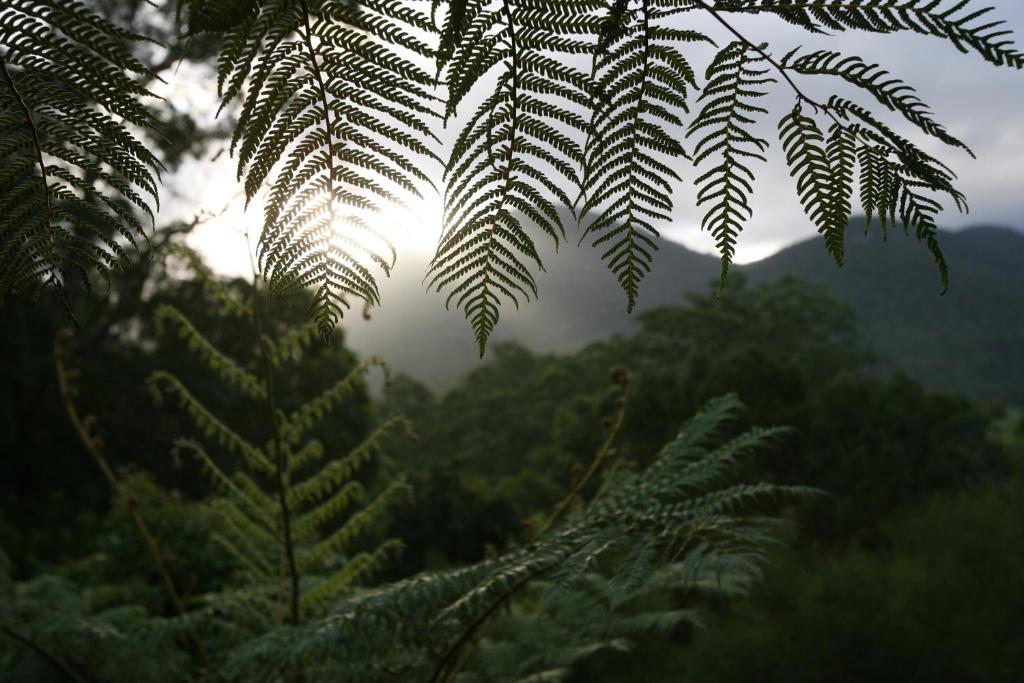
x: 74, y: 176
x: 511, y: 161
x: 888, y: 90
x: 642, y: 81
x: 314, y: 411
x: 681, y: 519
x: 964, y: 23
x: 333, y: 119
x: 824, y: 174
x: 208, y: 423
x: 216, y: 361
x: 736, y: 79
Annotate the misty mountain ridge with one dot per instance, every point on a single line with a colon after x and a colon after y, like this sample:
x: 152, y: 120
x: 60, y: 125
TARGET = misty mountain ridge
x: 970, y: 339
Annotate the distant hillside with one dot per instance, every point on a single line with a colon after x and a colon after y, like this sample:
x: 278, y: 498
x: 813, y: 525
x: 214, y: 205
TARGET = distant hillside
x: 971, y: 339
x: 580, y: 301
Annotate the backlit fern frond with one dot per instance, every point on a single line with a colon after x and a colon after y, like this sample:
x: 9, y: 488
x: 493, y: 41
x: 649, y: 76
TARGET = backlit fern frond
x: 516, y: 158
x: 736, y: 79
x: 888, y: 90
x: 334, y: 119
x: 73, y: 177
x: 642, y: 81
x: 824, y: 174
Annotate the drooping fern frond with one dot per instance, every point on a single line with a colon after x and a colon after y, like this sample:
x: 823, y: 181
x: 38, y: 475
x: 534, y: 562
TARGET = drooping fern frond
x: 516, y: 158
x: 334, y: 119
x: 685, y: 512
x: 888, y: 90
x: 73, y: 177
x: 642, y: 80
x: 736, y: 78
x: 824, y: 174
x: 961, y: 22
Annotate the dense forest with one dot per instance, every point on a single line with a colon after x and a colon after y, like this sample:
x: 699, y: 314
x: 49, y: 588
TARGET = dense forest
x: 669, y: 467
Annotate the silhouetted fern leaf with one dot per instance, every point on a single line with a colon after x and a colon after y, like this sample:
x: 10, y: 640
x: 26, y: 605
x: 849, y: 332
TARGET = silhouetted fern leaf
x: 335, y: 116
x: 642, y: 81
x: 736, y: 78
x: 515, y: 157
x: 72, y: 174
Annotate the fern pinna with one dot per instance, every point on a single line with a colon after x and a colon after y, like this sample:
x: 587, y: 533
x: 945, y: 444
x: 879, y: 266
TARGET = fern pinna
x: 73, y: 177
x: 335, y: 117
x: 516, y: 158
x: 642, y: 81
x: 577, y: 103
x: 291, y: 514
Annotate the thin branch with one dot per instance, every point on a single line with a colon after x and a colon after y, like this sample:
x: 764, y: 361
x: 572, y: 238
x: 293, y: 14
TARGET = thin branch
x: 771, y: 60
x: 280, y: 457
x: 131, y: 504
x: 35, y: 647
x: 459, y: 653
x: 607, y: 449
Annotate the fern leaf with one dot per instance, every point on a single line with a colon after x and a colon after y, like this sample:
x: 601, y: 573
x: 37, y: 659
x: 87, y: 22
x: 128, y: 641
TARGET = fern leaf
x: 642, y: 81
x: 736, y: 78
x: 333, y: 119
x: 498, y: 185
x: 888, y: 90
x: 74, y: 178
x: 964, y: 23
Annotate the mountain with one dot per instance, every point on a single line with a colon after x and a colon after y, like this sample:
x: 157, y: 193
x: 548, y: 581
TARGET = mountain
x: 970, y: 339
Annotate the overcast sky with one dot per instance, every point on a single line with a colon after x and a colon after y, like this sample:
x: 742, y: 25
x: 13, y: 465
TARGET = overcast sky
x: 981, y: 104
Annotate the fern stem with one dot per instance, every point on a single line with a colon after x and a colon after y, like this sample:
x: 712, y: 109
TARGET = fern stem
x: 39, y: 650
x: 607, y: 448
x: 280, y: 459
x: 817, y: 106
x: 464, y: 647
x: 130, y: 503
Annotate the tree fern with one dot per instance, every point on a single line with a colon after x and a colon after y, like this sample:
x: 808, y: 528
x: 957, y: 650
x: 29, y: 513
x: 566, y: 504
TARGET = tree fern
x: 72, y: 174
x: 334, y: 119
x: 642, y: 80
x: 340, y: 104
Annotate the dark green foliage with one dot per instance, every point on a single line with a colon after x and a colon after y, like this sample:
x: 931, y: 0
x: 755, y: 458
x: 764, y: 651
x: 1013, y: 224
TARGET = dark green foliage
x: 685, y: 510
x: 938, y: 601
x: 72, y: 174
x: 289, y: 512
